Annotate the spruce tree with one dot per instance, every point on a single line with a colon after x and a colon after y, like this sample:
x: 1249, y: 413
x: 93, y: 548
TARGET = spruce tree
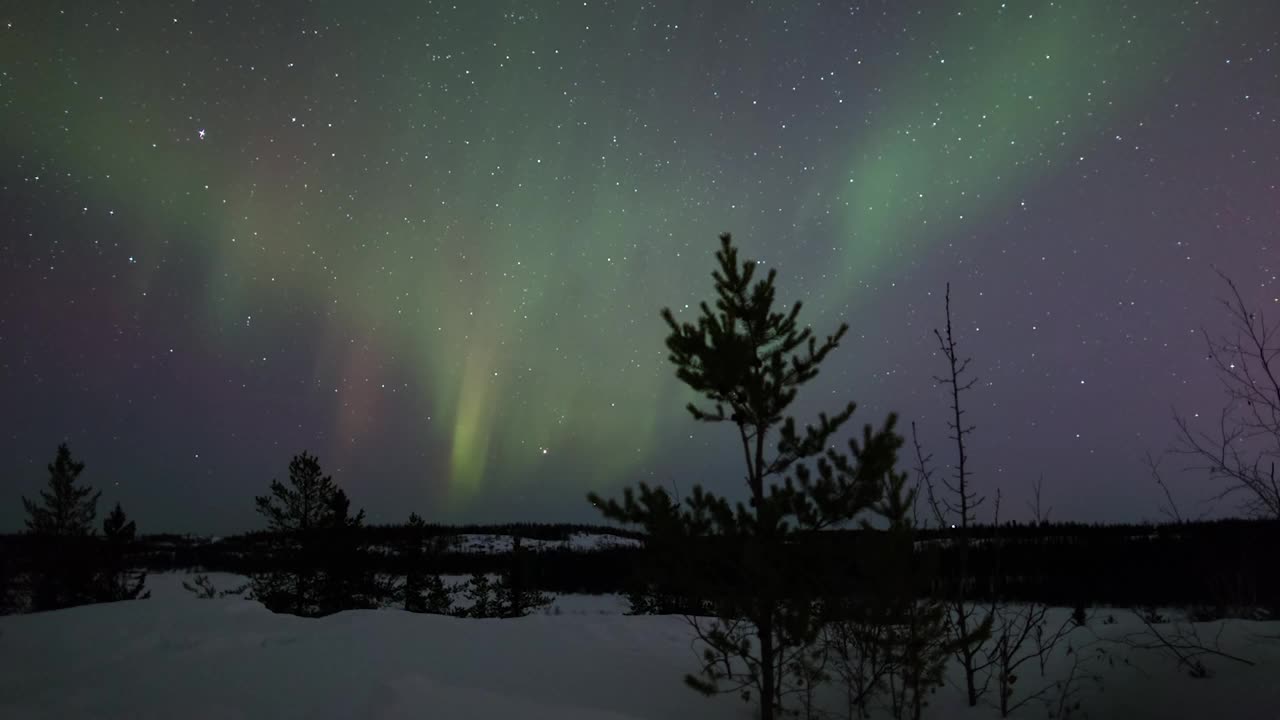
x: 748, y: 361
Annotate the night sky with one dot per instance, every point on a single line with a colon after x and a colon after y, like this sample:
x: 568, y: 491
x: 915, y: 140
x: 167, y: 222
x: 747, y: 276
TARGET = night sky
x: 428, y: 242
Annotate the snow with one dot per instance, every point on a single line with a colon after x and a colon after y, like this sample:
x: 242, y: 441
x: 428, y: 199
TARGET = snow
x: 494, y: 544
x: 177, y: 656
x: 485, y: 543
x: 490, y: 543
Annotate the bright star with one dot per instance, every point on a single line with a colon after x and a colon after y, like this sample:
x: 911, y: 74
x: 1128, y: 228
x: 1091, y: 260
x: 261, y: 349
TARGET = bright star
x: 200, y: 132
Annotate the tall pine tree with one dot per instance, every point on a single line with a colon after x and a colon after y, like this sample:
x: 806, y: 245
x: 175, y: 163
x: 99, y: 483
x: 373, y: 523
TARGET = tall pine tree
x: 61, y: 522
x: 319, y: 566
x: 748, y: 362
x: 65, y: 508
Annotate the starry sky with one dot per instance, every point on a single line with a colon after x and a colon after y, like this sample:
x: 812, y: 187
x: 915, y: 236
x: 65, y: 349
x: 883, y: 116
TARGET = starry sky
x: 428, y: 241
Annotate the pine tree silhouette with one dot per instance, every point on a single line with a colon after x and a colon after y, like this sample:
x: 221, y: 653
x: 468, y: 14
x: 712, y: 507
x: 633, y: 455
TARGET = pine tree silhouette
x: 117, y: 526
x: 479, y: 591
x: 748, y: 362
x: 917, y: 645
x: 320, y: 566
x: 61, y: 522
x: 422, y: 592
x: 117, y: 582
x: 67, y: 509
x: 516, y: 597
x: 414, y: 588
x: 437, y: 597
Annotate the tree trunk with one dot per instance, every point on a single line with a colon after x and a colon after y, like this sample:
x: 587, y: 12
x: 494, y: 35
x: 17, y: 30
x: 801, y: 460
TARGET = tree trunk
x: 968, y: 671
x: 765, y: 633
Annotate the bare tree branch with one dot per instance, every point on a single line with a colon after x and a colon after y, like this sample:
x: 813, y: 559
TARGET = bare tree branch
x: 1171, y: 510
x: 1039, y: 514
x: 1182, y: 640
x: 1242, y: 454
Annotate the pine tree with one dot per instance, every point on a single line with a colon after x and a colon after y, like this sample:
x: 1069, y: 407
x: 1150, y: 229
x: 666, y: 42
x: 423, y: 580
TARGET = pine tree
x: 917, y: 645
x: 748, y: 362
x: 515, y: 597
x: 349, y: 580
x: 423, y: 592
x: 117, y: 582
x: 319, y: 564
x: 479, y: 592
x: 414, y: 588
x: 67, y: 509
x: 437, y: 596
x: 118, y: 527
x: 307, y: 503
x: 66, y: 558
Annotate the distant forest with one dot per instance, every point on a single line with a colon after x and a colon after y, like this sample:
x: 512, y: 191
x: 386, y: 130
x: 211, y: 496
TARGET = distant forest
x: 1214, y: 565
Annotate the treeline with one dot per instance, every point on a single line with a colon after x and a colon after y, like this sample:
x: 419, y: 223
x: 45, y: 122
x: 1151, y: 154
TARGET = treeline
x: 315, y: 557
x: 1014, y: 529
x: 1222, y: 563
x: 1219, y: 567
x: 553, y: 569
x: 390, y: 549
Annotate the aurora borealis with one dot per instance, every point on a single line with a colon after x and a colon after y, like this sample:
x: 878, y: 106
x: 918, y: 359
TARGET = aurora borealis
x: 428, y: 242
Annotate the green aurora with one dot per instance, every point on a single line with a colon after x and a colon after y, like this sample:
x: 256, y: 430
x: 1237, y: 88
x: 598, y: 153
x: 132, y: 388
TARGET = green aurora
x: 499, y: 200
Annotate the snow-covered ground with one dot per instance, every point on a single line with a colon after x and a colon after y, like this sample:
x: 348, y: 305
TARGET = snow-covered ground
x: 474, y: 543
x: 493, y: 544
x: 175, y: 656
